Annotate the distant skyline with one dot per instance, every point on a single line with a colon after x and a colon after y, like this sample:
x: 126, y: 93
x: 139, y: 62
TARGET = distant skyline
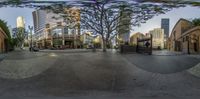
x: 10, y: 15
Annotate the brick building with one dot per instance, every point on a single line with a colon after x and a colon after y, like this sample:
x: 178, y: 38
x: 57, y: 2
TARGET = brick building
x: 3, y: 38
x: 185, y: 37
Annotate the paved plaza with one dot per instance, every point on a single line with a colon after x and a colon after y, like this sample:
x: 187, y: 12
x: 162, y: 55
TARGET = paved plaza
x: 97, y: 75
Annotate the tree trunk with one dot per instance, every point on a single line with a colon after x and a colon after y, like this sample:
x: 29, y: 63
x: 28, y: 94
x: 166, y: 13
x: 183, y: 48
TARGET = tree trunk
x: 104, y: 46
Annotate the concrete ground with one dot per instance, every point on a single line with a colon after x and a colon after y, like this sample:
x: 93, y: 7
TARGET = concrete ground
x: 97, y: 75
x: 2, y: 56
x: 166, y: 53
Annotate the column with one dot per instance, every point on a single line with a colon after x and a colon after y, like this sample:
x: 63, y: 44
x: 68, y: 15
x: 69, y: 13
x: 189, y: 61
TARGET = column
x: 75, y: 42
x: 63, y: 36
x: 51, y: 37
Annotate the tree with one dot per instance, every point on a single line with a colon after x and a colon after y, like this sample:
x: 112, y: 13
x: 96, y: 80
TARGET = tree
x: 108, y: 19
x: 196, y: 22
x: 4, y: 27
x: 20, y: 36
x: 124, y: 24
x: 104, y: 16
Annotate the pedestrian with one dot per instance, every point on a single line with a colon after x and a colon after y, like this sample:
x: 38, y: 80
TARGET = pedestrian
x: 147, y: 44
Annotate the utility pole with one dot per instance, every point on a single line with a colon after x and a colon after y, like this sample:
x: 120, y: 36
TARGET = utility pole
x: 31, y: 43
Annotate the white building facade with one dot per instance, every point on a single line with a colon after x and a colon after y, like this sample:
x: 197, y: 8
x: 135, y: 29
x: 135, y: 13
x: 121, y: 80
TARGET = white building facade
x: 158, y: 38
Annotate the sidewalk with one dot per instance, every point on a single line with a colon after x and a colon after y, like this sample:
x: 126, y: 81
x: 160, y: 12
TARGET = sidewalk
x: 166, y: 53
x: 2, y: 56
x: 66, y: 50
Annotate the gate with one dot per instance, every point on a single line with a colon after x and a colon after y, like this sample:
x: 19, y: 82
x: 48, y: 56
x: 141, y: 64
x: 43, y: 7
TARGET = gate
x: 144, y: 45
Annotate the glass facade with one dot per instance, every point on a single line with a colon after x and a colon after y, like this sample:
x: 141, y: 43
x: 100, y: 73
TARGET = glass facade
x: 165, y: 26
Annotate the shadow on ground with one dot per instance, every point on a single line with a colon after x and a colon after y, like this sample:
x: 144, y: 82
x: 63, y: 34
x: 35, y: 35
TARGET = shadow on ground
x: 163, y: 64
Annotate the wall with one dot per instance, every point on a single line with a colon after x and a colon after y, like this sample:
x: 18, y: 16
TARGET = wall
x: 2, y: 41
x: 180, y: 27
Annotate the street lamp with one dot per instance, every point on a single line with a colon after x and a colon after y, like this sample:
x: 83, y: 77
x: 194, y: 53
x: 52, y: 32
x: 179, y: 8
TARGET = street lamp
x: 31, y: 28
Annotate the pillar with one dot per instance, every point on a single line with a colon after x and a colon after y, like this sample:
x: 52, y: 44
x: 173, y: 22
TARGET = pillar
x: 75, y: 35
x: 63, y: 36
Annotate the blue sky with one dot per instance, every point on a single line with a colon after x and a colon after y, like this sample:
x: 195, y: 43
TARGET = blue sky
x: 174, y: 15
x: 10, y: 14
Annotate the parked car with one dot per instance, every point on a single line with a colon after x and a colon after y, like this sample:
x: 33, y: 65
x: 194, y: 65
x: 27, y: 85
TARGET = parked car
x: 35, y: 49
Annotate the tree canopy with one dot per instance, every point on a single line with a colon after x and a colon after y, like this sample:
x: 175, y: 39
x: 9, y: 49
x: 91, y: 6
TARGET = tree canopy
x: 107, y: 18
x: 45, y: 3
x: 4, y: 27
x: 196, y: 22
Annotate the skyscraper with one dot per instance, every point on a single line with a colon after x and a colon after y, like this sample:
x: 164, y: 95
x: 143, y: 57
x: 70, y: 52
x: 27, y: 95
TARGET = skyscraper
x: 20, y: 22
x: 51, y: 29
x: 39, y: 20
x: 124, y: 26
x: 165, y: 26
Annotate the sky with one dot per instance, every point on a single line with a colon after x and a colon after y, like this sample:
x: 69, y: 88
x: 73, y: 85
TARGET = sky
x: 174, y: 15
x: 10, y: 15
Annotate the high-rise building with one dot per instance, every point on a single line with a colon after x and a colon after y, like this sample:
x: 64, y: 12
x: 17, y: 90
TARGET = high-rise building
x: 165, y: 26
x: 51, y: 29
x: 20, y: 22
x: 10, y: 30
x: 39, y: 20
x: 125, y: 26
x: 158, y: 38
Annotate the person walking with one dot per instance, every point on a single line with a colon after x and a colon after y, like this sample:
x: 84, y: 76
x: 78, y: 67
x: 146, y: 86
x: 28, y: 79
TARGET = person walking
x: 147, y: 44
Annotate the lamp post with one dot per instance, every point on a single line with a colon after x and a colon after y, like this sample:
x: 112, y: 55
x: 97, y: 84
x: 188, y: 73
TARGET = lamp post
x: 31, y: 28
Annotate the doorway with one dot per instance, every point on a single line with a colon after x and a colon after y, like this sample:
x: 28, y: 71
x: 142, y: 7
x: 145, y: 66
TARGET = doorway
x: 195, y: 47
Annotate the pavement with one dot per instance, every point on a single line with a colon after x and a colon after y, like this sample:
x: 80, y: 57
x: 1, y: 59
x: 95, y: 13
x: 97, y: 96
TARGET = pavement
x: 66, y: 50
x: 166, y: 53
x: 196, y: 69
x: 24, y: 64
x: 2, y: 56
x: 163, y: 64
x: 98, y: 75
